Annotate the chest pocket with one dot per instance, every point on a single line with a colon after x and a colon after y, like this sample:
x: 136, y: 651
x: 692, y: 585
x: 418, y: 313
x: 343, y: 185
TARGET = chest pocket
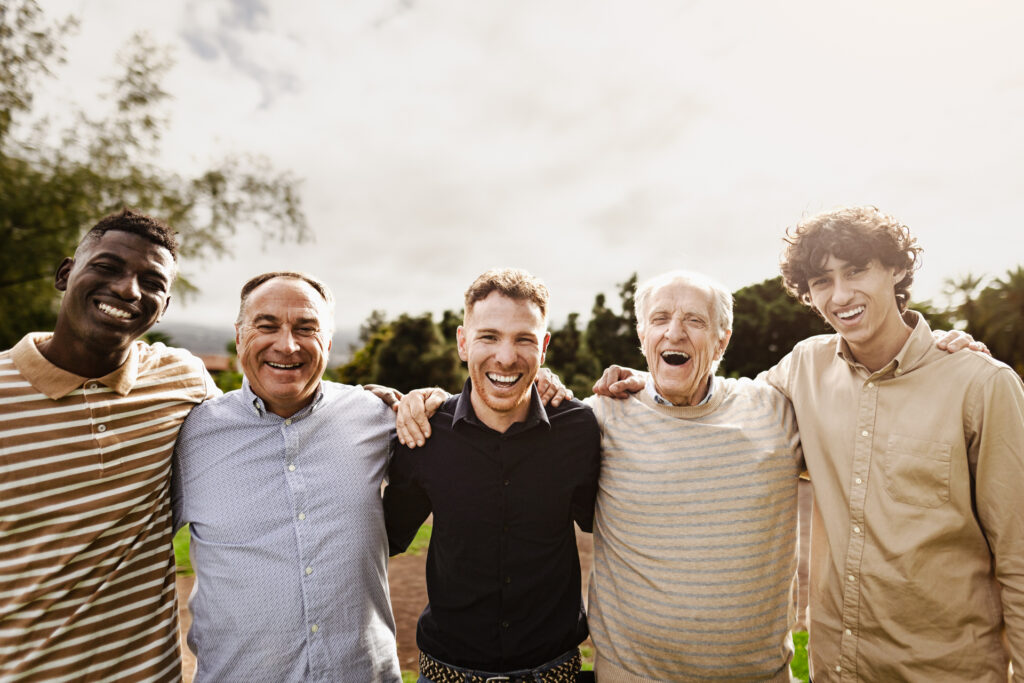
x: 917, y: 471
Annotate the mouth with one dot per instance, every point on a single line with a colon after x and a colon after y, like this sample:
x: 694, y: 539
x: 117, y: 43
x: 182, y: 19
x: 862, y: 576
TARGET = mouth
x: 115, y: 312
x: 850, y: 315
x: 503, y: 381
x: 675, y: 357
x: 284, y: 366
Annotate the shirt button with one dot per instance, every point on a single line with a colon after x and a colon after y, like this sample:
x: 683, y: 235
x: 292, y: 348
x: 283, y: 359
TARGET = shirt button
x: 92, y: 385
x: 871, y: 385
x: 838, y: 668
x: 899, y: 371
x: 291, y: 468
x: 314, y: 628
x: 858, y: 480
x: 504, y: 624
x: 288, y: 421
x: 302, y: 515
x: 508, y: 579
x: 849, y: 632
x: 851, y: 577
x: 101, y: 428
x: 309, y: 570
x: 856, y: 529
x: 864, y: 433
x: 506, y: 482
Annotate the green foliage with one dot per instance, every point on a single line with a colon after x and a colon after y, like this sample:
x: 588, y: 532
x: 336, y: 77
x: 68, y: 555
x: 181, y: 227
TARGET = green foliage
x: 50, y: 193
x: 182, y: 560
x: 227, y: 380
x: 405, y: 353
x: 421, y: 541
x: 569, y: 357
x: 610, y: 336
x: 995, y: 315
x: 799, y: 664
x: 767, y: 322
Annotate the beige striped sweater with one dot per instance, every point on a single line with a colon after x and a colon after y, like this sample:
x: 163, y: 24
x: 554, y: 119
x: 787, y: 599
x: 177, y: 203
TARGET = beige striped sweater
x: 695, y: 537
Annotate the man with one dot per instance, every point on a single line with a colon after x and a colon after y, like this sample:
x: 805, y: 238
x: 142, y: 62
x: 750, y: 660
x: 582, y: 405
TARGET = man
x: 918, y: 538
x: 89, y: 416
x: 504, y: 478
x: 280, y: 482
x: 917, y: 558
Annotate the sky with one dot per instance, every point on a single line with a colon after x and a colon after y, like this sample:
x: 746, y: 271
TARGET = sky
x: 580, y: 140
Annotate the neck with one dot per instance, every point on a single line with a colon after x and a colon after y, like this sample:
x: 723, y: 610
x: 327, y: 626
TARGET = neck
x: 875, y: 356
x: 693, y: 399
x: 76, y: 357
x: 497, y: 420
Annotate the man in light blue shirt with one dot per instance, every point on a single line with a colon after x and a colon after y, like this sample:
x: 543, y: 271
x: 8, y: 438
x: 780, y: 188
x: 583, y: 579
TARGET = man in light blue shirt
x: 280, y: 482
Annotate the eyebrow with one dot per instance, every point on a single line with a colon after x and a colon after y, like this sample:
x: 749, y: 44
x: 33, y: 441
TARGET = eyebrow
x: 154, y: 272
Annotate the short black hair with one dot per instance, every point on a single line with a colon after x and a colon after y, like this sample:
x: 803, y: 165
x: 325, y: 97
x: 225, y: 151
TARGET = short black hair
x: 137, y: 223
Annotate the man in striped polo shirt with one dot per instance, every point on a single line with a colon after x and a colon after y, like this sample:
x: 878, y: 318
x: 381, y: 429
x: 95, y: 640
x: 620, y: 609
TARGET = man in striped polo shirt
x: 89, y: 417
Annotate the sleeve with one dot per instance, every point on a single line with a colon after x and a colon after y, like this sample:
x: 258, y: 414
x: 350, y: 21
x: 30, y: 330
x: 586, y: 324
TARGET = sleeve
x: 406, y: 504
x: 179, y: 515
x: 585, y: 494
x: 778, y: 376
x: 996, y: 444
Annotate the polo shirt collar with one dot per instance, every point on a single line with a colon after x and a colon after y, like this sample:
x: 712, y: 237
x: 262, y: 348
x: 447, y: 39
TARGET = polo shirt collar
x: 464, y: 409
x: 910, y: 355
x: 56, y: 382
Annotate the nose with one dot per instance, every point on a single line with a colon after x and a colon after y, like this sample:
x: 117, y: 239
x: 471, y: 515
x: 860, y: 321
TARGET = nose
x: 505, y: 354
x: 676, y: 329
x: 127, y: 288
x: 285, y: 341
x: 841, y: 292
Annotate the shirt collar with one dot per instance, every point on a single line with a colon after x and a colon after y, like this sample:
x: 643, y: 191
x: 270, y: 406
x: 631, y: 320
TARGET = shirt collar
x: 56, y: 382
x: 256, y: 404
x: 464, y: 409
x: 910, y: 355
x: 662, y: 401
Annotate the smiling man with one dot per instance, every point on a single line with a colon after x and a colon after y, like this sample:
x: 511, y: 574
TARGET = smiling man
x: 88, y: 419
x: 505, y: 478
x: 917, y: 553
x: 280, y: 482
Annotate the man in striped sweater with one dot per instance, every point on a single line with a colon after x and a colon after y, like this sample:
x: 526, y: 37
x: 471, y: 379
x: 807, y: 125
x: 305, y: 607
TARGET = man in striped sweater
x: 88, y: 420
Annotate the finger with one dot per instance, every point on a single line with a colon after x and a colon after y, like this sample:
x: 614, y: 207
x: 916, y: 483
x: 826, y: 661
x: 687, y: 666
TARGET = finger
x: 548, y: 393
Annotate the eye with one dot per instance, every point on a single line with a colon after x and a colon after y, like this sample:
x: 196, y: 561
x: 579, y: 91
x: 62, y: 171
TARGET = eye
x: 819, y: 282
x: 306, y: 331
x: 266, y: 327
x: 154, y: 285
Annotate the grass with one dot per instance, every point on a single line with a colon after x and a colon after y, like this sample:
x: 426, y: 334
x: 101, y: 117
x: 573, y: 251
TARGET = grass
x: 421, y: 541
x: 181, y: 558
x: 799, y: 664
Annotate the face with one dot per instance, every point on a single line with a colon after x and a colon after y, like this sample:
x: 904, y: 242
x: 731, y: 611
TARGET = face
x: 115, y: 288
x: 503, y: 341
x: 860, y: 303
x: 283, y: 342
x: 680, y: 342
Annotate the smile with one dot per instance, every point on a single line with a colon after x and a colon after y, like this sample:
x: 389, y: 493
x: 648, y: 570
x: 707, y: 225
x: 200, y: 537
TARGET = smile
x: 284, y: 366
x: 852, y: 313
x: 115, y: 312
x: 675, y: 357
x: 503, y: 380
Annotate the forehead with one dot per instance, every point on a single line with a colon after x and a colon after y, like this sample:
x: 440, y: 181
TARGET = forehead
x: 679, y: 296
x: 498, y: 311
x: 286, y: 298
x: 128, y: 247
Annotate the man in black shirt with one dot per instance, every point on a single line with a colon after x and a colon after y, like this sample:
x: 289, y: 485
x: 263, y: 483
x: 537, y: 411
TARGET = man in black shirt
x: 505, y: 478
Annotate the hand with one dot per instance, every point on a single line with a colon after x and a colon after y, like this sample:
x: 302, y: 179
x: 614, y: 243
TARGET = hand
x: 956, y: 340
x: 618, y: 382
x: 390, y: 396
x: 414, y: 413
x: 551, y: 389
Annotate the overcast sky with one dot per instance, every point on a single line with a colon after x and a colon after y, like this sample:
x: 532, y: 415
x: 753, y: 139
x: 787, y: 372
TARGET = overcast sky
x: 582, y: 140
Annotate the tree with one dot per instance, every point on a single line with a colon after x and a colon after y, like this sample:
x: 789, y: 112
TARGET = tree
x: 51, y: 193
x: 767, y: 322
x: 996, y: 316
x: 610, y: 336
x: 569, y: 357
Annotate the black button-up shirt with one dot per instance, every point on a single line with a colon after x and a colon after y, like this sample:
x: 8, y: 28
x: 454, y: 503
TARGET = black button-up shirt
x: 503, y: 573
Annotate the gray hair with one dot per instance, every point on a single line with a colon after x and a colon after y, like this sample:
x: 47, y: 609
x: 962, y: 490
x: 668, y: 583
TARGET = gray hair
x: 313, y: 282
x: 721, y: 298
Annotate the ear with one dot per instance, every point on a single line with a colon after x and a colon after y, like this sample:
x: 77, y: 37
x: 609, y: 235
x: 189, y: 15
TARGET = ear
x: 722, y: 344
x: 544, y: 347
x: 460, y: 341
x: 898, y: 275
x: 167, y: 304
x: 60, y: 279
x: 238, y: 336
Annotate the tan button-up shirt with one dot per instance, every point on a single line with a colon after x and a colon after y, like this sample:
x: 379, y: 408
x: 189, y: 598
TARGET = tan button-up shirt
x: 917, y: 550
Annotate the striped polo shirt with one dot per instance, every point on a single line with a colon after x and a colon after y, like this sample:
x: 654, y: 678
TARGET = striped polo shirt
x: 86, y: 567
x: 695, y: 537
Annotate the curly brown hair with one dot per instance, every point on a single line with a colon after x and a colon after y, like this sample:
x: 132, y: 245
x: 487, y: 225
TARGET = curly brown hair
x: 856, y: 234
x: 511, y: 282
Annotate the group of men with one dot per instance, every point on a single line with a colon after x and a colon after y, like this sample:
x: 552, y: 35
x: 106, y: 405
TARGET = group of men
x: 687, y: 479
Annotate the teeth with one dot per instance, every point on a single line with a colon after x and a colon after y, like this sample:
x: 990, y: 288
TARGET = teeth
x: 849, y: 314
x: 507, y: 379
x: 115, y: 312
x: 283, y: 366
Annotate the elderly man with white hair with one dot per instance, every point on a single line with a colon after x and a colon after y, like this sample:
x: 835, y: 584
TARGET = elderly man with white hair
x: 695, y: 529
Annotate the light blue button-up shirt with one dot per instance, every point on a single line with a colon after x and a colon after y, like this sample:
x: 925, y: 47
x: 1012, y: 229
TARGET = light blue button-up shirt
x: 288, y: 539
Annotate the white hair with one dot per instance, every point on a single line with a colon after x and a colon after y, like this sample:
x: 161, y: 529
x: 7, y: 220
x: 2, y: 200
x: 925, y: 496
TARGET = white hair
x: 721, y: 298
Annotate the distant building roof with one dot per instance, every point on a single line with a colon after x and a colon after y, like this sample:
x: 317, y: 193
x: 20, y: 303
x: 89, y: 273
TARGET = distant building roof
x: 217, y: 362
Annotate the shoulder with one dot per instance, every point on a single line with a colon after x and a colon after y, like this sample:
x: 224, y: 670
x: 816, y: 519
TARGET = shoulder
x: 355, y: 403
x: 751, y: 388
x: 217, y: 411
x: 172, y: 362
x: 572, y: 411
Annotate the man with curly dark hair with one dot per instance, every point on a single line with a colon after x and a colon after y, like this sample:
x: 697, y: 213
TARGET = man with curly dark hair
x: 917, y: 557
